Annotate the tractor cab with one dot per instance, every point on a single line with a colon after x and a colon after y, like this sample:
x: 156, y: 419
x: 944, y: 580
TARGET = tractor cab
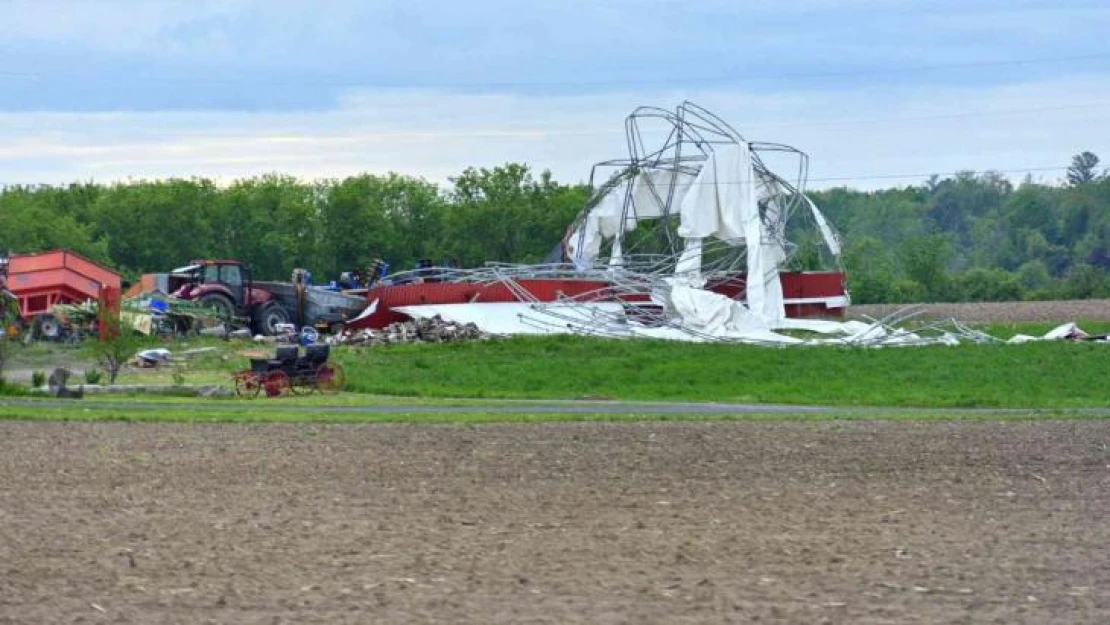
x: 230, y: 277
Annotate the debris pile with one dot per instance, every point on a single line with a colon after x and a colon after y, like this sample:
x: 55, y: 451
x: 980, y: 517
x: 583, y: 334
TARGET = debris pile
x: 427, y: 330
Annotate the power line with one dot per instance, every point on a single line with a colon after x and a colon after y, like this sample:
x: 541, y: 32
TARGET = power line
x: 884, y: 120
x: 950, y: 174
x: 336, y: 80
x: 1027, y: 170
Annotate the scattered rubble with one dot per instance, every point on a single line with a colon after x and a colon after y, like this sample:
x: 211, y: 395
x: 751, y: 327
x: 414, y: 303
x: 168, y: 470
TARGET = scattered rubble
x: 429, y: 330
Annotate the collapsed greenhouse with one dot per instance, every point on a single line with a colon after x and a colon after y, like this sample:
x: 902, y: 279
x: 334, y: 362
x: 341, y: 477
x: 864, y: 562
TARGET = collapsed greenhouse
x: 692, y: 236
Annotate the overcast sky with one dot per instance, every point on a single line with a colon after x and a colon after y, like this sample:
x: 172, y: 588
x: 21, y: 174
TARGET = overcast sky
x: 110, y: 90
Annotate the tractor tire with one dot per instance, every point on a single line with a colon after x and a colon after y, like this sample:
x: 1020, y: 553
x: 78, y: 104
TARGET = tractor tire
x: 47, y: 327
x: 267, y: 317
x: 221, y: 303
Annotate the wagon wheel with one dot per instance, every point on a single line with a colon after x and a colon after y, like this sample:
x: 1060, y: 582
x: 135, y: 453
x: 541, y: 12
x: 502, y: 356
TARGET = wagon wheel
x: 277, y: 383
x: 302, y: 383
x: 330, y: 378
x: 247, y: 384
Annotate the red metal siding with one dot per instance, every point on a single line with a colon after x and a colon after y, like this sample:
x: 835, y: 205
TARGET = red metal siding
x: 796, y: 285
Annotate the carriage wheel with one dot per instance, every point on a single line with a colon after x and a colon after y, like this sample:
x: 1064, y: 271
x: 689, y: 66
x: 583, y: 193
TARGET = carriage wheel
x: 247, y: 384
x: 330, y: 378
x: 301, y: 384
x: 277, y: 383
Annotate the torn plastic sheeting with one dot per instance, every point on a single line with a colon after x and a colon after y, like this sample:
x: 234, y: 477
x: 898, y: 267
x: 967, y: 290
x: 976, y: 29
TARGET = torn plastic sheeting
x: 831, y: 240
x: 584, y: 244
x: 722, y: 196
x: 366, y: 312
x: 1066, y: 331
x: 652, y: 189
x: 516, y: 317
x: 711, y: 313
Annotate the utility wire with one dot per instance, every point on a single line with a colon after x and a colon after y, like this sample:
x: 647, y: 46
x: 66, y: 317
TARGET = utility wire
x: 336, y: 80
x: 980, y: 172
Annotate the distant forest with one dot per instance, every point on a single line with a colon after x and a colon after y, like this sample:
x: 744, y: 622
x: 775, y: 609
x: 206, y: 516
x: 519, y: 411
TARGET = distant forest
x: 968, y: 237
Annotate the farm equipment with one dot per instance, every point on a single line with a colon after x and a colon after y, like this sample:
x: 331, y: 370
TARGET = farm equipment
x: 266, y: 307
x: 289, y: 372
x: 226, y: 287
x: 317, y: 307
x: 36, y: 283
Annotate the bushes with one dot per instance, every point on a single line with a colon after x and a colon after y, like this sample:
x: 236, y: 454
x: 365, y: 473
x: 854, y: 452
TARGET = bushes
x: 987, y: 285
x: 1031, y: 282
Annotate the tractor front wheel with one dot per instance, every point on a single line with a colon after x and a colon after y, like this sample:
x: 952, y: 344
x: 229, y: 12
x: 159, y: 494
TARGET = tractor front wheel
x: 268, y: 316
x: 223, y: 306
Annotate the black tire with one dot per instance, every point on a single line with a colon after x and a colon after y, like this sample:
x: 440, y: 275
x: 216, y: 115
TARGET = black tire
x: 48, y: 328
x: 186, y: 326
x: 219, y: 302
x: 267, y: 317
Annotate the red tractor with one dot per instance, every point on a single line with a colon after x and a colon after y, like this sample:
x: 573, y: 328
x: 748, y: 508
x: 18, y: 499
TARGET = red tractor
x: 226, y: 286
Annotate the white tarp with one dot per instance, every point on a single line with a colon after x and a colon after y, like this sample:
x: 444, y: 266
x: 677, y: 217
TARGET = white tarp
x: 651, y: 190
x: 688, y: 267
x: 718, y: 316
x: 763, y: 288
x: 722, y: 203
x: 584, y: 244
x: 1060, y: 332
x: 519, y: 317
x: 602, y: 222
x: 720, y: 197
x: 609, y: 217
x: 693, y: 315
x: 699, y: 315
x: 831, y: 240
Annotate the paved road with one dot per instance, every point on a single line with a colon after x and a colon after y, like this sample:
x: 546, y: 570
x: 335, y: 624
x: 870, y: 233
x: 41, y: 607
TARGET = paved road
x: 541, y: 406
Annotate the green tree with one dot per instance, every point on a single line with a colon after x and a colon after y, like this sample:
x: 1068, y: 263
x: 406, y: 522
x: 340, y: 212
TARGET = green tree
x: 155, y: 225
x: 925, y: 261
x: 31, y: 221
x: 1082, y: 168
x: 987, y: 285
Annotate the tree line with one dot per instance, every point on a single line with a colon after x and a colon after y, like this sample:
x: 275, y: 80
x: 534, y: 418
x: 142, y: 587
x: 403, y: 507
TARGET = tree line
x: 275, y: 223
x: 968, y: 237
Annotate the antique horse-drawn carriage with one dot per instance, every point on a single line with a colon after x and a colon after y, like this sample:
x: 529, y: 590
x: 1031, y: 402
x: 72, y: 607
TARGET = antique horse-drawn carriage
x: 291, y: 372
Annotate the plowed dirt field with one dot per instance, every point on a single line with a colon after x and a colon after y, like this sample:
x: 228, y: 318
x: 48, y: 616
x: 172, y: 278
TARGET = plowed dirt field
x: 728, y: 522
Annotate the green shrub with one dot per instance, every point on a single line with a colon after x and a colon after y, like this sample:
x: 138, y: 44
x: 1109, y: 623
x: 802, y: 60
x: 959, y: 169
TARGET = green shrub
x: 38, y: 378
x: 93, y: 376
x: 9, y: 389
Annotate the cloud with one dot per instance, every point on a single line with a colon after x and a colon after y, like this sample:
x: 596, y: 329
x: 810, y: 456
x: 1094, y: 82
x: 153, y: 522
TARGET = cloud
x: 258, y: 55
x: 121, y: 88
x: 856, y: 138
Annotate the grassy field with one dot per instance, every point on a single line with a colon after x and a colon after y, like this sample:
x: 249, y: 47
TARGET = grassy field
x: 1056, y: 375
x: 1034, y: 375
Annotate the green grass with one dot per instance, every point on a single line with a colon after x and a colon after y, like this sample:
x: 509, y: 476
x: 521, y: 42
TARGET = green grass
x: 1039, y: 328
x: 1044, y: 375
x: 7, y: 389
x: 1036, y: 375
x: 263, y: 403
